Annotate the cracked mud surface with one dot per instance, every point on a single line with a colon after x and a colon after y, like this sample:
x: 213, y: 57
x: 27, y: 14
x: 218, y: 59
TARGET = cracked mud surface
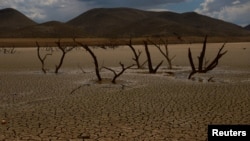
x: 166, y: 106
x: 156, y: 109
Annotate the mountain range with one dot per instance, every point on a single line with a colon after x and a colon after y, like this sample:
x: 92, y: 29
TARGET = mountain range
x: 247, y: 27
x: 119, y: 22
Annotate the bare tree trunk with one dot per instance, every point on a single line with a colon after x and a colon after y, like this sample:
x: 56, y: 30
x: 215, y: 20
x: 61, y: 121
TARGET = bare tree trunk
x: 97, y: 70
x: 42, y: 59
x: 191, y: 64
x: 116, y: 75
x: 150, y: 66
x: 136, y: 55
x: 202, y: 55
x: 60, y: 63
x: 64, y: 51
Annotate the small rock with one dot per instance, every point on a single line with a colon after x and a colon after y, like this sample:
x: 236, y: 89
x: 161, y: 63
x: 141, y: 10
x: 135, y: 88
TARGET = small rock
x: 3, y: 121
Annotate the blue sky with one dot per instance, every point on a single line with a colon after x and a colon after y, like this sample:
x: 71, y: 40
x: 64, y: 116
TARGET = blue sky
x: 235, y: 11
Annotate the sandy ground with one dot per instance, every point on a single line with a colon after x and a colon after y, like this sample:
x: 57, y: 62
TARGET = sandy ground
x: 165, y: 106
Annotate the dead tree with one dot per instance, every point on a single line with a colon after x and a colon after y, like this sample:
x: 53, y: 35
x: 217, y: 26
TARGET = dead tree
x: 64, y: 50
x: 42, y: 59
x: 166, y: 53
x: 97, y: 70
x: 150, y: 65
x: 204, y: 68
x: 116, y: 75
x: 136, y: 55
x: 12, y: 50
x: 8, y: 50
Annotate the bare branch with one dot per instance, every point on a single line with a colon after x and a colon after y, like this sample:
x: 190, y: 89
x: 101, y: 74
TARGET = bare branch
x: 191, y: 60
x: 166, y: 53
x: 136, y: 54
x: 211, y: 66
x: 202, y: 55
x: 210, y: 79
x: 97, y: 70
x: 215, y: 62
x: 150, y: 66
x: 191, y: 74
x: 144, y: 62
x: 110, y: 70
x: 42, y: 59
x: 79, y: 88
x: 116, y: 75
x: 64, y: 51
x: 158, y: 66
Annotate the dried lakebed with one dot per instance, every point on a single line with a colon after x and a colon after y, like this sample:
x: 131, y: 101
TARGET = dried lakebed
x: 164, y: 106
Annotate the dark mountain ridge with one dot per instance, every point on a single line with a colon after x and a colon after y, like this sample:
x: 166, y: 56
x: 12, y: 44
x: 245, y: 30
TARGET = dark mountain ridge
x: 126, y: 21
x: 119, y: 22
x: 11, y: 19
x: 51, y: 29
x: 247, y: 27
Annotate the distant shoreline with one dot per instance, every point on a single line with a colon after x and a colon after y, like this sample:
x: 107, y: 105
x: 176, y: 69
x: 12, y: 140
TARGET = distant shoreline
x: 50, y: 42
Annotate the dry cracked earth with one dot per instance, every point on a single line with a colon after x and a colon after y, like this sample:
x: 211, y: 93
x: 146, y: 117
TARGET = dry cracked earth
x: 71, y: 107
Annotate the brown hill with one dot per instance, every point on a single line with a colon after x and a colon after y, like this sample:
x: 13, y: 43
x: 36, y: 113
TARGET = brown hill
x: 132, y: 22
x: 118, y: 22
x: 51, y: 29
x: 106, y: 22
x: 247, y: 27
x: 11, y: 20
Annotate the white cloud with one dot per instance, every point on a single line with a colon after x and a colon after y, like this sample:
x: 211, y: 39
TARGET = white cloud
x: 236, y: 11
x: 131, y: 3
x: 43, y: 10
x: 236, y: 2
x: 34, y: 13
x: 49, y: 2
x: 158, y: 9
